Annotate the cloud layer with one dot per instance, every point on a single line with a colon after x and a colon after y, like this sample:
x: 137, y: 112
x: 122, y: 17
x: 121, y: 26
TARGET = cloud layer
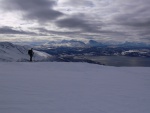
x: 10, y: 30
x: 103, y: 20
x: 40, y: 10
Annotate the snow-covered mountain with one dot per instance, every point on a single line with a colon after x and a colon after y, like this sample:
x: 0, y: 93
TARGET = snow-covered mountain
x: 134, y: 44
x: 91, y: 43
x: 10, y: 52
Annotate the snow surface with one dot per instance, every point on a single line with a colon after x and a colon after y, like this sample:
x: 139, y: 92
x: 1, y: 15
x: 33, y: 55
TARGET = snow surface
x: 54, y: 87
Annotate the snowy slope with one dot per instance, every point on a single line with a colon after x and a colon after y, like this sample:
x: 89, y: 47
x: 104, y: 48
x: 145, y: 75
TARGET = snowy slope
x: 11, y: 52
x: 73, y: 88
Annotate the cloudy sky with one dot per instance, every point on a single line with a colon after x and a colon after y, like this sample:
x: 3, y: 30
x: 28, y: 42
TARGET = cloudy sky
x: 101, y: 20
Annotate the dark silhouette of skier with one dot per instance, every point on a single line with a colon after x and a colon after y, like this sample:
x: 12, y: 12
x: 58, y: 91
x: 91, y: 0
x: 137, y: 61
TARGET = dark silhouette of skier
x: 30, y: 53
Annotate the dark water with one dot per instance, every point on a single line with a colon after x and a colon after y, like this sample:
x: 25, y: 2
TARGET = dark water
x: 121, y: 60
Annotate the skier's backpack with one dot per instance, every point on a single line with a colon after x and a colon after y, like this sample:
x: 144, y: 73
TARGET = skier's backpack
x: 29, y: 52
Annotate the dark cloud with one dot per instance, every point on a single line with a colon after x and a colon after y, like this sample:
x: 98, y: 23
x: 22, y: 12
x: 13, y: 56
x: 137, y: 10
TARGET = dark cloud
x: 145, y: 33
x: 80, y: 3
x: 134, y: 14
x: 84, y: 26
x: 147, y: 39
x: 145, y: 23
x: 132, y: 20
x: 40, y: 10
x: 27, y: 5
x: 10, y: 30
x: 77, y: 23
x: 79, y: 33
x: 46, y: 31
x: 43, y: 16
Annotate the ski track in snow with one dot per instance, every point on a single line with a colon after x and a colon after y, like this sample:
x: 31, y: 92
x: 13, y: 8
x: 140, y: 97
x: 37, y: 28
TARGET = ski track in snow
x: 54, y: 87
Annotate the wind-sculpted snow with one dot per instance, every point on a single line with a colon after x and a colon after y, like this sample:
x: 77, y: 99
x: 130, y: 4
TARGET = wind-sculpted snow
x: 54, y: 87
x: 10, y: 52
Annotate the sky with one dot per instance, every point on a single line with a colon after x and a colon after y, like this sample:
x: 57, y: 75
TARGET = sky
x: 51, y: 20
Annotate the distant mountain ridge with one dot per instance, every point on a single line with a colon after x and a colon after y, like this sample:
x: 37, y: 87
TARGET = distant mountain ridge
x: 91, y: 43
x: 134, y: 44
x: 10, y: 52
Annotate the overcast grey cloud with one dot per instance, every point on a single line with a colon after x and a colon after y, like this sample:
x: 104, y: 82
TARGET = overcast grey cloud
x: 77, y: 23
x: 40, y: 10
x: 70, y: 34
x: 10, y: 30
x: 105, y: 20
x: 78, y: 3
x: 136, y: 14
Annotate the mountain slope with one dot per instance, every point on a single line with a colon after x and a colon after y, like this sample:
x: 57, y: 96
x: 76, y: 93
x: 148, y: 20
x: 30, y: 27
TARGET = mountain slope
x: 52, y: 87
x: 11, y: 52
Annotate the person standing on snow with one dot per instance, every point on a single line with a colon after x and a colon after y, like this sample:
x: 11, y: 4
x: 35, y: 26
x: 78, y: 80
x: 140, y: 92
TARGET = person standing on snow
x: 30, y: 53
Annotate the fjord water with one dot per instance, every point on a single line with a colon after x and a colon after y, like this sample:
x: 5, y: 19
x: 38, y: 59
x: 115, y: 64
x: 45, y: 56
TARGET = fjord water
x: 121, y: 60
